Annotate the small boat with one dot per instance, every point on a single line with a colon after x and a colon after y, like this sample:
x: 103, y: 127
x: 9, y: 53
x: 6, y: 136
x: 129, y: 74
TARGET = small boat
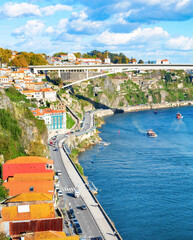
x: 155, y: 112
x: 150, y: 133
x: 179, y: 116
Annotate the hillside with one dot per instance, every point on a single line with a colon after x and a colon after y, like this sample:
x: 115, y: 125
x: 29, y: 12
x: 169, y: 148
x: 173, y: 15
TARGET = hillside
x: 130, y: 89
x: 20, y: 132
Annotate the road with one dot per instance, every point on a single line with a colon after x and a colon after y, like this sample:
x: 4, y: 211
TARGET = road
x: 84, y: 217
x: 93, y: 221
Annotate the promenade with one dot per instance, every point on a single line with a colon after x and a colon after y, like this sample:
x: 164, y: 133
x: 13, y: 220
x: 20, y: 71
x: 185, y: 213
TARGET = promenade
x: 105, y: 228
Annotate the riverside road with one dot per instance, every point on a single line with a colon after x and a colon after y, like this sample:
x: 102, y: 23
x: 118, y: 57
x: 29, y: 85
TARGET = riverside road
x: 92, y: 220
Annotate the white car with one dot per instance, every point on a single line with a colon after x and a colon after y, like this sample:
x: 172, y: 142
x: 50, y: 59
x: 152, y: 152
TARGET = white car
x: 60, y: 194
x: 76, y: 193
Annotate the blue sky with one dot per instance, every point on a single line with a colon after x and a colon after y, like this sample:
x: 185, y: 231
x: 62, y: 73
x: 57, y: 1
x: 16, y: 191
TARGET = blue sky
x: 144, y: 29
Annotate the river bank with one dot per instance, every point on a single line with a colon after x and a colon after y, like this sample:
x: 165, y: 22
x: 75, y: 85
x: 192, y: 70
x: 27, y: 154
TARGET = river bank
x: 79, y: 144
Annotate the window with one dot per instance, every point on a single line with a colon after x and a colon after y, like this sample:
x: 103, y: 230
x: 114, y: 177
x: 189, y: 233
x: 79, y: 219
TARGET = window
x: 31, y: 189
x: 47, y: 166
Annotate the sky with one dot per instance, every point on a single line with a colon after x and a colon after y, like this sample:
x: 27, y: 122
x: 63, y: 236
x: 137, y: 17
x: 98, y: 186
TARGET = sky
x: 143, y: 29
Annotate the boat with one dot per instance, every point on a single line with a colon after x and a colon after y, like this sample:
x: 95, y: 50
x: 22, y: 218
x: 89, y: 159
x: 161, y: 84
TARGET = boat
x: 155, y: 112
x: 151, y: 133
x: 179, y: 115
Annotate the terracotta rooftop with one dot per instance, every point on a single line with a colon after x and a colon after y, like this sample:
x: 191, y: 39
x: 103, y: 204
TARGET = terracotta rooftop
x: 29, y: 159
x: 49, y: 235
x: 30, y: 197
x: 28, y: 212
x: 16, y: 188
x: 25, y: 177
x: 47, y: 90
x: 41, y: 112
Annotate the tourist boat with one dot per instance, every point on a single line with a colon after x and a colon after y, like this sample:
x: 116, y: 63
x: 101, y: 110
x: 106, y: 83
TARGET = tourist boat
x: 179, y: 116
x: 150, y: 133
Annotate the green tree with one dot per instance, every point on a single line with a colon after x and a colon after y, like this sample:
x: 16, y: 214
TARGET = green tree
x: 141, y: 61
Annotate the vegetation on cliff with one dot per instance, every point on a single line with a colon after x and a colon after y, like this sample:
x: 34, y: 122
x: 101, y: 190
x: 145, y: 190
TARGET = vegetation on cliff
x: 20, y: 132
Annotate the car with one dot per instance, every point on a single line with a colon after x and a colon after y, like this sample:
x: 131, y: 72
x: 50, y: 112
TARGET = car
x: 56, y: 149
x: 76, y: 225
x: 57, y: 189
x: 76, y: 193
x: 74, y: 220
x: 83, y: 207
x: 96, y: 238
x: 59, y: 172
x: 79, y: 231
x: 60, y: 194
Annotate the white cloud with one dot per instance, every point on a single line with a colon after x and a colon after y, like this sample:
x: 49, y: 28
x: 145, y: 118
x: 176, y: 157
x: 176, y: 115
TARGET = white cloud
x: 49, y: 30
x: 30, y: 29
x: 181, y: 43
x: 50, y: 10
x: 137, y: 36
x: 14, y: 10
x: 20, y: 9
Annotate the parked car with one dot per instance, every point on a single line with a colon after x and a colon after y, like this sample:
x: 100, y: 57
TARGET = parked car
x: 79, y: 231
x: 59, y: 172
x: 60, y: 194
x: 96, y: 238
x: 76, y: 225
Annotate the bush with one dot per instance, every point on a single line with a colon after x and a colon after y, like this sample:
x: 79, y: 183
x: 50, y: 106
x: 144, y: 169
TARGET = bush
x: 15, y: 96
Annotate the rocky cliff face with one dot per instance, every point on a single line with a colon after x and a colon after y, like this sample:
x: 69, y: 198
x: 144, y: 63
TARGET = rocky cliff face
x: 34, y: 134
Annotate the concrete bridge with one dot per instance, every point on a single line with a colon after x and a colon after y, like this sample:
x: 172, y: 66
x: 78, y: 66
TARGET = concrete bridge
x: 86, y: 72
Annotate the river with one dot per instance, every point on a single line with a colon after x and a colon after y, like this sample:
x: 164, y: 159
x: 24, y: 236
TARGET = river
x: 145, y: 184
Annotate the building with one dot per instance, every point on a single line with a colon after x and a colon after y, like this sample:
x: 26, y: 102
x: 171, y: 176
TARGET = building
x: 89, y: 61
x: 165, y: 61
x: 107, y: 60
x: 30, y: 218
x: 29, y: 198
x: 27, y: 164
x: 4, y: 79
x: 32, y: 93
x: 30, y: 186
x: 49, y: 94
x: 50, y: 235
x: 54, y: 119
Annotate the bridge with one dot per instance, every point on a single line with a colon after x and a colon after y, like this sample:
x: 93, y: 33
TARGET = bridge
x: 86, y: 72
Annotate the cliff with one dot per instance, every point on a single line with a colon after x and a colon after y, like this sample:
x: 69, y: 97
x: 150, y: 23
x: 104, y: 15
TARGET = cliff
x: 20, y: 132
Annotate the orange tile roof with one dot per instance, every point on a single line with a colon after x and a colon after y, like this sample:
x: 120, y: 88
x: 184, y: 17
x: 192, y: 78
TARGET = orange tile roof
x: 47, y: 90
x: 25, y: 177
x: 36, y: 211
x: 49, y: 235
x: 41, y: 112
x: 30, y: 197
x: 29, y: 159
x: 29, y: 91
x: 16, y: 188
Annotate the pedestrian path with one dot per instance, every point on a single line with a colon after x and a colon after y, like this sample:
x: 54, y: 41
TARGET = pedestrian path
x: 92, y: 205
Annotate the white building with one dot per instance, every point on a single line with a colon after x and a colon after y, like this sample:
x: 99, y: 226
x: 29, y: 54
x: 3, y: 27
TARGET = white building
x: 49, y: 94
x: 107, y: 60
x: 158, y: 61
x: 4, y: 79
x: 165, y: 61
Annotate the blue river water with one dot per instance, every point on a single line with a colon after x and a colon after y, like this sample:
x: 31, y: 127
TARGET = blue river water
x: 146, y: 184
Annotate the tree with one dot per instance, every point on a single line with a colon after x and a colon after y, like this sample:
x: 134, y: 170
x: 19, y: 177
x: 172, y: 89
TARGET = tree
x: 168, y: 78
x: 141, y: 61
x: 78, y: 55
